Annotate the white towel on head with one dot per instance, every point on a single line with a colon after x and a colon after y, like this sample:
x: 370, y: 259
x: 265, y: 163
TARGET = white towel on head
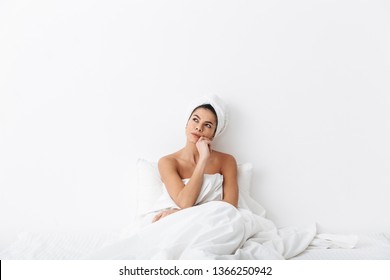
x: 219, y: 106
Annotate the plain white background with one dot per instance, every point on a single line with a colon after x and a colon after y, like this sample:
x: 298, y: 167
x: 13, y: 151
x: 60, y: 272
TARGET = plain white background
x: 87, y: 87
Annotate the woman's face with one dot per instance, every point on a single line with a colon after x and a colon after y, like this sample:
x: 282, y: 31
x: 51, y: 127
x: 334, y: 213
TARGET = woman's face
x: 201, y: 123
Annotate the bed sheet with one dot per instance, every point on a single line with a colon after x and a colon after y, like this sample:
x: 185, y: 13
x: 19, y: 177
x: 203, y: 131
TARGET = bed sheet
x: 373, y: 246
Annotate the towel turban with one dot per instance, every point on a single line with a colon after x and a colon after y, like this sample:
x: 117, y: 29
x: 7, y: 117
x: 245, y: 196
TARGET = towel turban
x: 219, y: 106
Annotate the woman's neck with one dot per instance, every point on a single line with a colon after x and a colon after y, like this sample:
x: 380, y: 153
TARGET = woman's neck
x: 190, y: 153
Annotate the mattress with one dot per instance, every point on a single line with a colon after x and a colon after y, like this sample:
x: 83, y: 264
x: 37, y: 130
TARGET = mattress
x: 374, y: 246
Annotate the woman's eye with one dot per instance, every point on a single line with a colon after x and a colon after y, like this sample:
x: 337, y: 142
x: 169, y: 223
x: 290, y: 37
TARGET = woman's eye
x: 195, y: 119
x: 208, y: 126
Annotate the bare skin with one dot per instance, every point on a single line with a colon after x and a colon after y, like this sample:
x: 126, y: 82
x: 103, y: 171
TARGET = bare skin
x: 193, y: 161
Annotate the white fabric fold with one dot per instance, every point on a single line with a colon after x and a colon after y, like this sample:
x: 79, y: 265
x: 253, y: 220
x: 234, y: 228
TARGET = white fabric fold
x: 333, y: 241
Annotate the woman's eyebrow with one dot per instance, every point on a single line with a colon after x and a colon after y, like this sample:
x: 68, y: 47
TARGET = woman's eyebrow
x: 195, y: 115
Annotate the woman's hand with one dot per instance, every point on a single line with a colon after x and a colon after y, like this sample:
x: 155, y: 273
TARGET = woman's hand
x: 203, y: 146
x: 163, y: 214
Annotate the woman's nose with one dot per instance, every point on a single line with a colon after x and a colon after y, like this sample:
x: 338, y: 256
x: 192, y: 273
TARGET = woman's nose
x: 198, y: 129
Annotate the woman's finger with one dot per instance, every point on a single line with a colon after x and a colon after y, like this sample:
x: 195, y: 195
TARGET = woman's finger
x: 157, y: 217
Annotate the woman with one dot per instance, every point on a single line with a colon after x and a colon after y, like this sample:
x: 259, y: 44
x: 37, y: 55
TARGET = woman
x: 196, y: 161
x: 216, y: 228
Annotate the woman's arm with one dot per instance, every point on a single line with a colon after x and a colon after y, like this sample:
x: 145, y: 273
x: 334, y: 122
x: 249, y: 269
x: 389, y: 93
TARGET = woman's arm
x: 230, y: 185
x: 185, y: 195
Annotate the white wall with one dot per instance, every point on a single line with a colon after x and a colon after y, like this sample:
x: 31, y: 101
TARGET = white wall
x: 87, y: 87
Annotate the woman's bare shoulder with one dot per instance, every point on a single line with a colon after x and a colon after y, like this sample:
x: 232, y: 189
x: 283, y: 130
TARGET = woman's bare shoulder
x: 169, y: 166
x: 224, y: 156
x: 169, y: 160
x: 225, y: 161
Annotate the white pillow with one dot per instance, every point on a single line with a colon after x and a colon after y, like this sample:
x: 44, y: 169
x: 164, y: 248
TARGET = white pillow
x: 244, y: 176
x: 149, y: 187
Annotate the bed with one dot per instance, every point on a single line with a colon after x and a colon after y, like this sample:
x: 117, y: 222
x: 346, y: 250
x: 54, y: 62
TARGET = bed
x: 221, y: 232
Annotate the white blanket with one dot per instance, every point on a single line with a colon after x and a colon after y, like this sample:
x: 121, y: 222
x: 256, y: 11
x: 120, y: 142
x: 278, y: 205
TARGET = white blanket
x: 215, y: 230
x: 210, y: 230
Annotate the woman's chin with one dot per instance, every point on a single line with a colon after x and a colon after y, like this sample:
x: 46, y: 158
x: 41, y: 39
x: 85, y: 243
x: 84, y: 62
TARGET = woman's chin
x: 192, y: 140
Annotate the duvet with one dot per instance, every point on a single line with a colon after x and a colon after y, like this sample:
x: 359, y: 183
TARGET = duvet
x: 212, y: 229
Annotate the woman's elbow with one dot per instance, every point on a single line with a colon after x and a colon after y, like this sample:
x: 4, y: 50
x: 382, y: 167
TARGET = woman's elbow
x: 231, y: 201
